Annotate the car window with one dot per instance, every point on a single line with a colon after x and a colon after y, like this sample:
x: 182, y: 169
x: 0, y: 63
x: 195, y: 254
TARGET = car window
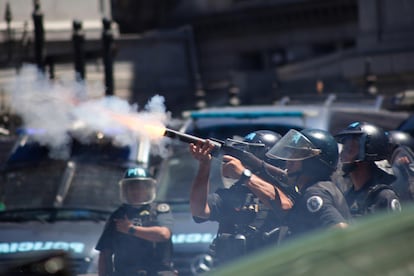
x: 87, y: 178
x: 90, y: 186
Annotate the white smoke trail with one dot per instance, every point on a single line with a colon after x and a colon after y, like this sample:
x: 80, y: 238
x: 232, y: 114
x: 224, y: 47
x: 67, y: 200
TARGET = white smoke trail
x: 55, y: 109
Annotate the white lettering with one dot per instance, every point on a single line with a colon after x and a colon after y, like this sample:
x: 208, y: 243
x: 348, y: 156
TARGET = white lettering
x: 4, y: 248
x: 13, y: 247
x: 42, y: 246
x: 28, y: 246
x: 61, y: 245
x: 192, y: 238
x: 25, y: 246
x: 77, y: 247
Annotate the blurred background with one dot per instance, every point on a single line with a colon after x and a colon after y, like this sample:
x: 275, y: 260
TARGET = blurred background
x: 208, y: 49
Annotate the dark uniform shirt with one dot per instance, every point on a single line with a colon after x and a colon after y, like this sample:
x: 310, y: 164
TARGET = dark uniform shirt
x: 404, y: 174
x: 243, y: 221
x: 374, y: 196
x: 132, y: 254
x: 319, y: 205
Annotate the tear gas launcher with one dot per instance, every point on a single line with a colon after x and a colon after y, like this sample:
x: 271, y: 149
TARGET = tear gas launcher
x: 239, y: 149
x: 242, y: 151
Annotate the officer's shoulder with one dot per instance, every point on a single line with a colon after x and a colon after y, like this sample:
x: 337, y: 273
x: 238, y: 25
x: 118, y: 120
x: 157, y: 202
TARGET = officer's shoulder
x: 387, y: 191
x: 318, y: 187
x: 162, y: 207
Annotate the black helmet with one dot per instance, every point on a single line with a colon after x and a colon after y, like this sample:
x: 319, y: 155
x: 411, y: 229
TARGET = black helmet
x: 400, y: 138
x: 315, y: 147
x: 264, y: 139
x: 138, y: 187
x: 373, y: 140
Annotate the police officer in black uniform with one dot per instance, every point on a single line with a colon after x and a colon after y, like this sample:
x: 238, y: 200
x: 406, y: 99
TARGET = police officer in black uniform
x: 370, y: 188
x: 400, y: 163
x: 137, y: 237
x: 311, y: 156
x: 243, y: 211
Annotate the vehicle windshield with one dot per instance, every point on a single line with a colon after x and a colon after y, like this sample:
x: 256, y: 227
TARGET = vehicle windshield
x: 62, y: 184
x: 87, y: 180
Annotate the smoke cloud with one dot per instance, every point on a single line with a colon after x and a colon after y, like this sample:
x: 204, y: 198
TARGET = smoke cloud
x: 55, y: 110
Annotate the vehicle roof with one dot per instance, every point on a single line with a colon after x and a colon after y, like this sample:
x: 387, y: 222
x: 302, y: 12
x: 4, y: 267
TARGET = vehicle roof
x: 328, y: 116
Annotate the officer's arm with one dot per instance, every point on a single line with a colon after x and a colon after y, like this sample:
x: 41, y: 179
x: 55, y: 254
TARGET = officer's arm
x: 268, y: 193
x: 200, y: 185
x: 152, y: 233
x: 105, y: 263
x: 265, y: 191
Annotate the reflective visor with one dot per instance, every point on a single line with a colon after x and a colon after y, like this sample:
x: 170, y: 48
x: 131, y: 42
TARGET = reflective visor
x: 245, y: 146
x: 138, y: 191
x: 293, y: 146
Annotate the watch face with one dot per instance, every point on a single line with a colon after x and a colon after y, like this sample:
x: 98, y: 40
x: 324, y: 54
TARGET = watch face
x: 247, y: 173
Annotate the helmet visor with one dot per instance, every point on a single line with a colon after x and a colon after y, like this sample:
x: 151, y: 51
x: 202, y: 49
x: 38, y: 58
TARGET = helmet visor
x: 244, y: 146
x: 138, y: 191
x: 294, y: 146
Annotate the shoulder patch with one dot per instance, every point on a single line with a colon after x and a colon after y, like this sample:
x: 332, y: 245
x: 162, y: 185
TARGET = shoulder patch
x: 163, y: 208
x: 395, y: 205
x: 314, y: 204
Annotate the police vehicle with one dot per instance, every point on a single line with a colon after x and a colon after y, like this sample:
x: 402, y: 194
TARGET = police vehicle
x: 50, y: 204
x: 176, y: 173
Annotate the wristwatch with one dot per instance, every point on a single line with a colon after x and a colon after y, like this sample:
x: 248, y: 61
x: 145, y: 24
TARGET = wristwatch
x: 245, y: 176
x: 131, y: 230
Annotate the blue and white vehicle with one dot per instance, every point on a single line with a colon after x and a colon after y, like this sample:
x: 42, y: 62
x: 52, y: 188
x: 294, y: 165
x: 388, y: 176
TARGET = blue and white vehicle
x: 52, y: 204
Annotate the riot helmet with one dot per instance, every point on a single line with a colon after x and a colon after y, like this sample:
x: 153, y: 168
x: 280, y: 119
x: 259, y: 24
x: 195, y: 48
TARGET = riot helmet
x: 261, y: 141
x: 372, y: 141
x: 137, y: 187
x: 256, y: 143
x: 400, y: 138
x: 317, y: 149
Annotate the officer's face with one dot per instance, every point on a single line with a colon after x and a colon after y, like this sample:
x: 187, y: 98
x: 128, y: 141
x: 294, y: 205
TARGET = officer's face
x: 137, y: 193
x: 350, y: 149
x: 293, y: 169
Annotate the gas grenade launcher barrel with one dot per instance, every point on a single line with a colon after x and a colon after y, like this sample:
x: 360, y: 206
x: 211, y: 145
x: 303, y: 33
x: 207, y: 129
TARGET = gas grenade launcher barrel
x: 188, y: 138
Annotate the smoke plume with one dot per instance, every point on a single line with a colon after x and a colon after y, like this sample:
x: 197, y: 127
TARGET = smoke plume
x: 55, y: 110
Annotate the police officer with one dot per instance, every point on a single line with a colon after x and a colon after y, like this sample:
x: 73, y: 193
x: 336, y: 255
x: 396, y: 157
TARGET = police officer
x: 137, y: 237
x: 311, y: 156
x: 401, y: 164
x: 242, y: 210
x: 370, y: 190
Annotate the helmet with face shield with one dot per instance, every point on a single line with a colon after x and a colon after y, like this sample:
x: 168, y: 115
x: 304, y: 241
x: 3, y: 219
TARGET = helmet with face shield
x: 261, y: 141
x: 372, y: 141
x: 137, y: 187
x: 317, y: 149
x: 257, y: 143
